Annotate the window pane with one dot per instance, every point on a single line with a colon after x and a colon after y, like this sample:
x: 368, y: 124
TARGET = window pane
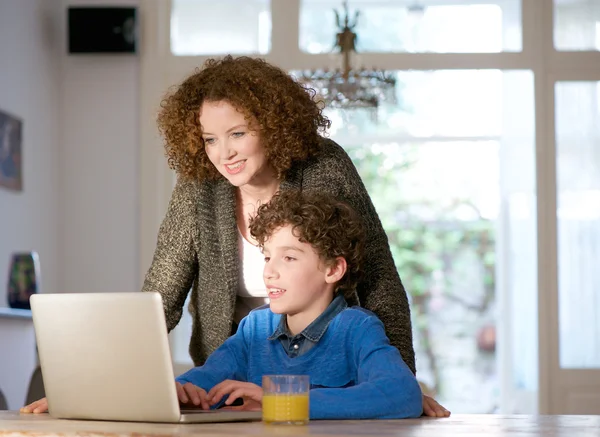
x: 206, y: 27
x: 416, y: 26
x: 578, y: 215
x: 451, y: 171
x: 577, y: 24
x: 458, y: 103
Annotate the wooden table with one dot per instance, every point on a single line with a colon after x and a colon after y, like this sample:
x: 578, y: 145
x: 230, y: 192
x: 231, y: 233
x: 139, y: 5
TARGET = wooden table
x: 14, y: 424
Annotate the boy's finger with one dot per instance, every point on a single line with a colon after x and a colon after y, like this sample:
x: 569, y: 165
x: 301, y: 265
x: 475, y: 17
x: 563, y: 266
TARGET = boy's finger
x: 219, y: 390
x: 213, y: 390
x: 223, y: 389
x: 235, y: 394
x: 203, y: 401
x: 247, y: 393
x: 181, y: 393
x: 191, y: 392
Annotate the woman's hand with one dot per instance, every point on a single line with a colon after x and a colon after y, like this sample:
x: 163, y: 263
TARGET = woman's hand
x: 188, y: 394
x: 39, y: 406
x: 250, y: 393
x: 432, y: 408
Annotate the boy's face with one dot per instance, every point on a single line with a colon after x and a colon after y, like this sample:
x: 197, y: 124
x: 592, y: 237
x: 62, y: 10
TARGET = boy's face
x: 297, y: 279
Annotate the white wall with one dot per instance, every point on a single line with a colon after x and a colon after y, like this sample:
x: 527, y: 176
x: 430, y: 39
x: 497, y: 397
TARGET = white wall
x: 29, y: 89
x: 79, y: 205
x: 99, y: 169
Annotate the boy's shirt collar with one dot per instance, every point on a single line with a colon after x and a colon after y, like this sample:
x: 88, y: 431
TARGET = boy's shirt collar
x: 317, y: 328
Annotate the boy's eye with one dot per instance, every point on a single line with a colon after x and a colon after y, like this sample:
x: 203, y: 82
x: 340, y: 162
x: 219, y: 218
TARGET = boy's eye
x: 267, y: 258
x: 289, y: 258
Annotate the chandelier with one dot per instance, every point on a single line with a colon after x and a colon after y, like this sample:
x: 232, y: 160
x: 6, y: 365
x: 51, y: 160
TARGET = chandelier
x: 345, y: 87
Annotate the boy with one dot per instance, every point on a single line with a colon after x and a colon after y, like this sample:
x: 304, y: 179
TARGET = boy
x: 312, y: 246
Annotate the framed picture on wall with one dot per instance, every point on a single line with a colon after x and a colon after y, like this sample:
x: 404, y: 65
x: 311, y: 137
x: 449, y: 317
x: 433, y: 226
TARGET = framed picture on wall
x: 11, y: 170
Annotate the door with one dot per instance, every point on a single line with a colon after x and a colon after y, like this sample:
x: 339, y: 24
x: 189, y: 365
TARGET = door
x: 573, y: 306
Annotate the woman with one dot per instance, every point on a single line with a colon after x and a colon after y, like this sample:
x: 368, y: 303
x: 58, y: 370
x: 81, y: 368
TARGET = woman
x: 236, y: 132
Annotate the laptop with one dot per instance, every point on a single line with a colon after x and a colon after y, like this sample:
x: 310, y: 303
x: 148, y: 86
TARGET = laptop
x: 106, y: 356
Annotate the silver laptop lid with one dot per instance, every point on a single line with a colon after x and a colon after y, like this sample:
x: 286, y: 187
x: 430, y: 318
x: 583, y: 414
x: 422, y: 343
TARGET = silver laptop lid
x: 105, y: 356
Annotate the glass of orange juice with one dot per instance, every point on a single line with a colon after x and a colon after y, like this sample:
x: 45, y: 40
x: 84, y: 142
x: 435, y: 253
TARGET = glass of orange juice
x: 285, y: 399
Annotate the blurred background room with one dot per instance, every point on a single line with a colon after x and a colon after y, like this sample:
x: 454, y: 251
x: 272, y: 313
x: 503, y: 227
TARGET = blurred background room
x: 475, y: 125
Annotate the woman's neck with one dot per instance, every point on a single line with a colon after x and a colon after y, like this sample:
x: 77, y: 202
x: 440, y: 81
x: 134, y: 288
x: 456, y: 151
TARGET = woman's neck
x: 258, y: 194
x: 249, y: 199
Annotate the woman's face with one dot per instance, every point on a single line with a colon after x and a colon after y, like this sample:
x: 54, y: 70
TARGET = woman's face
x: 233, y: 148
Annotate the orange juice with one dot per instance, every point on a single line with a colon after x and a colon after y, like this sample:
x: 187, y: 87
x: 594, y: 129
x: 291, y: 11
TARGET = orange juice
x: 285, y: 408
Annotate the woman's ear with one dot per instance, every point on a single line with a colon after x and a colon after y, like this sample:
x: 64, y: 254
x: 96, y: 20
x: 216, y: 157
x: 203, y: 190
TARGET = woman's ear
x: 336, y: 271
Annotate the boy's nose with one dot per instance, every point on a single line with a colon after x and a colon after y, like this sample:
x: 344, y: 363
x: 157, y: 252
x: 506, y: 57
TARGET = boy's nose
x: 269, y: 273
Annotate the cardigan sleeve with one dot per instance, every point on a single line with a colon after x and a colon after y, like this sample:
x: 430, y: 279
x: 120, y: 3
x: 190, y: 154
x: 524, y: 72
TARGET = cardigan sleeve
x: 175, y: 265
x: 380, y: 290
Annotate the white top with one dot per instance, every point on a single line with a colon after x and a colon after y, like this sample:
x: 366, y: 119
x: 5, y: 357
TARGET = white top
x: 252, y: 292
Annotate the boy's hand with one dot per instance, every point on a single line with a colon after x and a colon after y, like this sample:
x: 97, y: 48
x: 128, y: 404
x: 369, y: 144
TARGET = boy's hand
x: 249, y: 405
x: 250, y: 393
x: 191, y: 394
x: 39, y: 406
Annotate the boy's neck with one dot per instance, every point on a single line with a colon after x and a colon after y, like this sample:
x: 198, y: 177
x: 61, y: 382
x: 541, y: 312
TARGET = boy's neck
x: 296, y: 323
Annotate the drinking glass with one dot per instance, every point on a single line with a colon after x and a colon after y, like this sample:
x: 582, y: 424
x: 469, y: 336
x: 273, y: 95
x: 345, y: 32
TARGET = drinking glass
x: 285, y: 399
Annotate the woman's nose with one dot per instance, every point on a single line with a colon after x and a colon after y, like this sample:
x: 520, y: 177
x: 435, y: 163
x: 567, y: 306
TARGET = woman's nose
x: 225, y: 151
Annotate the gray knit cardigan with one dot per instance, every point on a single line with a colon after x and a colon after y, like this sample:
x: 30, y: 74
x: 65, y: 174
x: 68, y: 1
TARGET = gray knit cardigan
x: 197, y: 249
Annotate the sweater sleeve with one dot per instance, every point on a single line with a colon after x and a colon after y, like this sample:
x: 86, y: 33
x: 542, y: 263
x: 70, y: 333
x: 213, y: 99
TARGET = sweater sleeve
x: 229, y: 361
x: 380, y: 290
x: 174, y: 264
x: 386, y: 388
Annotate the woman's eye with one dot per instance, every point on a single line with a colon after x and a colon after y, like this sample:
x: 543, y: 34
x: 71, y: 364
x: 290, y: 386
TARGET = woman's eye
x: 209, y: 141
x: 238, y: 134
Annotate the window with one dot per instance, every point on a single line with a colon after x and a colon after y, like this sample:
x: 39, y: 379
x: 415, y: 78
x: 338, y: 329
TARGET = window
x: 416, y: 26
x: 577, y: 24
x: 578, y: 213
x: 451, y: 171
x: 205, y: 27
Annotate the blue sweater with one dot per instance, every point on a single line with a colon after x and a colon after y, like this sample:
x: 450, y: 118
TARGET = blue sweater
x: 354, y: 371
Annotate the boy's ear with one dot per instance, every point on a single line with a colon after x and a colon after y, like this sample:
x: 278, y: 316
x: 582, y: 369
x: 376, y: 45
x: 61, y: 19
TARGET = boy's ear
x: 336, y: 271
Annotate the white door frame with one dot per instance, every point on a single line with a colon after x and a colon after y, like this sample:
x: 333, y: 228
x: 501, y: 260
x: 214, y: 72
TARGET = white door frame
x: 558, y: 385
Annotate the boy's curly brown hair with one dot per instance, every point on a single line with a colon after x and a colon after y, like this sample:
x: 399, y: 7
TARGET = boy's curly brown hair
x: 280, y: 110
x: 331, y: 227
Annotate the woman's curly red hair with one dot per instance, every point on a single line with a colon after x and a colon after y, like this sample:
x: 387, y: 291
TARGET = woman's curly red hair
x: 331, y: 227
x: 281, y: 110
